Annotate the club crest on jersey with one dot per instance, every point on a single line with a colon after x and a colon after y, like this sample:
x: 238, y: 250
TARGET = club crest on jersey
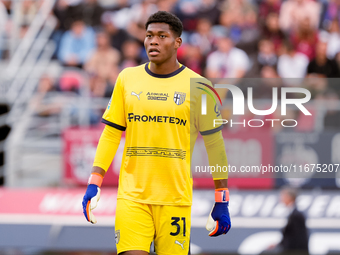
x: 117, y: 236
x: 179, y: 97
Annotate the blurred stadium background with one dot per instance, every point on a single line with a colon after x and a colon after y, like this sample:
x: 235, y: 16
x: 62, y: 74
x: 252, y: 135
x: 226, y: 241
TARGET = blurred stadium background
x: 59, y: 62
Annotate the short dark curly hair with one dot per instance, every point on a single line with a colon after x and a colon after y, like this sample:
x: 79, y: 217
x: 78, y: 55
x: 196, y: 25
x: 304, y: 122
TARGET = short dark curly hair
x: 174, y: 22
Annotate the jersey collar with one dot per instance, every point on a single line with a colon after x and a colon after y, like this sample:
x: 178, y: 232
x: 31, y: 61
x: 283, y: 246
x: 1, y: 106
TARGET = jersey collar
x: 163, y: 75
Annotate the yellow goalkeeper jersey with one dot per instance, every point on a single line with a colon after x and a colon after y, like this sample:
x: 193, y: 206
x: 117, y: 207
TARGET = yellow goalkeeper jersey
x: 154, y: 110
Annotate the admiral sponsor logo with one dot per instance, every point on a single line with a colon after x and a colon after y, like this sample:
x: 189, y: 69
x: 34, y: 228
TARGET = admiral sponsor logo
x: 148, y: 118
x: 157, y: 96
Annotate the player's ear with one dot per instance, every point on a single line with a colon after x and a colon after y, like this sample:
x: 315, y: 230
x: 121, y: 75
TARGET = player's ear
x: 178, y: 42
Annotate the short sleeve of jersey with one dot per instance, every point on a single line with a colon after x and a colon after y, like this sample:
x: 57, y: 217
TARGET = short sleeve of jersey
x: 114, y: 115
x: 209, y: 122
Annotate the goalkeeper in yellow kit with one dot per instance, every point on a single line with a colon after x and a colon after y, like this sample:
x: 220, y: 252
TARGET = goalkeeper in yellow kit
x: 151, y: 103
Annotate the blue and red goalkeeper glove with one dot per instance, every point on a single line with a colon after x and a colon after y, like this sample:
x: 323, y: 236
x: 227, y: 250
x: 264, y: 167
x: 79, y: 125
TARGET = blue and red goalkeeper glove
x: 219, y: 219
x: 92, y: 196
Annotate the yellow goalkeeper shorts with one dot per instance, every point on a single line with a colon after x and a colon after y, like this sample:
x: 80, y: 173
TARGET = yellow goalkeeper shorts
x: 137, y: 225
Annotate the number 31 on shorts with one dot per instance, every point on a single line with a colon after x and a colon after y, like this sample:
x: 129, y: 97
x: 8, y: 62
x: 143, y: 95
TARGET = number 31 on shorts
x: 179, y: 224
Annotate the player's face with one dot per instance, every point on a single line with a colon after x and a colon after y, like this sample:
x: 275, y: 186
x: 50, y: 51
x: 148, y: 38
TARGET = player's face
x: 161, y: 43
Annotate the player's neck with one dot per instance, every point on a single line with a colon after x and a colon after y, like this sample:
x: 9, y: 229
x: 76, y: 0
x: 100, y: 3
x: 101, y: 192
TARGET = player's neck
x: 164, y: 68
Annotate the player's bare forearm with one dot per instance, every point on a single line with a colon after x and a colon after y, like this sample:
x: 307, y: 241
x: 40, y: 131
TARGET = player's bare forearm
x: 98, y: 170
x: 220, y: 184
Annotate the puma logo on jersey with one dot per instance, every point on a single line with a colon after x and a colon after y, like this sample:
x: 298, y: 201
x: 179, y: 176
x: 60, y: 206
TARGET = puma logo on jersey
x: 135, y: 94
x: 181, y: 244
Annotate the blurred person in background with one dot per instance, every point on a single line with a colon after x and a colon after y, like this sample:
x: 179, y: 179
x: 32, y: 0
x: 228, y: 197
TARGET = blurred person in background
x: 238, y: 15
x: 209, y: 9
x: 292, y: 64
x: 131, y: 54
x: 117, y: 35
x: 228, y: 61
x: 102, y: 63
x: 242, y: 6
x: 322, y: 66
x: 186, y: 11
x: 192, y: 58
x: 264, y: 87
x: 332, y: 117
x: 272, y: 31
x: 104, y: 58
x: 28, y: 11
x: 45, y: 103
x: 64, y: 22
x: 292, y: 12
x: 229, y: 24
x: 166, y: 5
x: 60, y: 11
x: 203, y: 37
x: 266, y: 57
x: 337, y: 59
x: 267, y: 7
x: 295, y: 234
x: 3, y: 26
x: 332, y: 13
x: 139, y: 12
x: 250, y: 33
x: 89, y: 11
x: 304, y: 38
x: 333, y: 38
x: 77, y: 44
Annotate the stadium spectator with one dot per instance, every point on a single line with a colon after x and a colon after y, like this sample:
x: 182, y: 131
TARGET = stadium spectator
x: 28, y: 11
x: 228, y: 61
x: 321, y: 65
x: 76, y: 45
x: 332, y: 117
x: 131, y: 51
x: 292, y: 64
x: 333, y: 46
x: 138, y: 16
x: 250, y: 33
x: 229, y: 25
x: 186, y: 11
x: 45, y: 86
x: 265, y: 57
x: 292, y: 12
x: 204, y: 38
x: 332, y: 13
x: 166, y: 5
x: 46, y: 102
x: 272, y: 31
x: 242, y: 6
x: 337, y: 59
x: 191, y: 57
x: 117, y: 35
x: 264, y: 88
x: 210, y: 10
x: 267, y: 7
x: 3, y: 25
x: 60, y: 12
x: 104, y: 59
x: 103, y: 62
x: 305, y: 38
x: 89, y: 11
